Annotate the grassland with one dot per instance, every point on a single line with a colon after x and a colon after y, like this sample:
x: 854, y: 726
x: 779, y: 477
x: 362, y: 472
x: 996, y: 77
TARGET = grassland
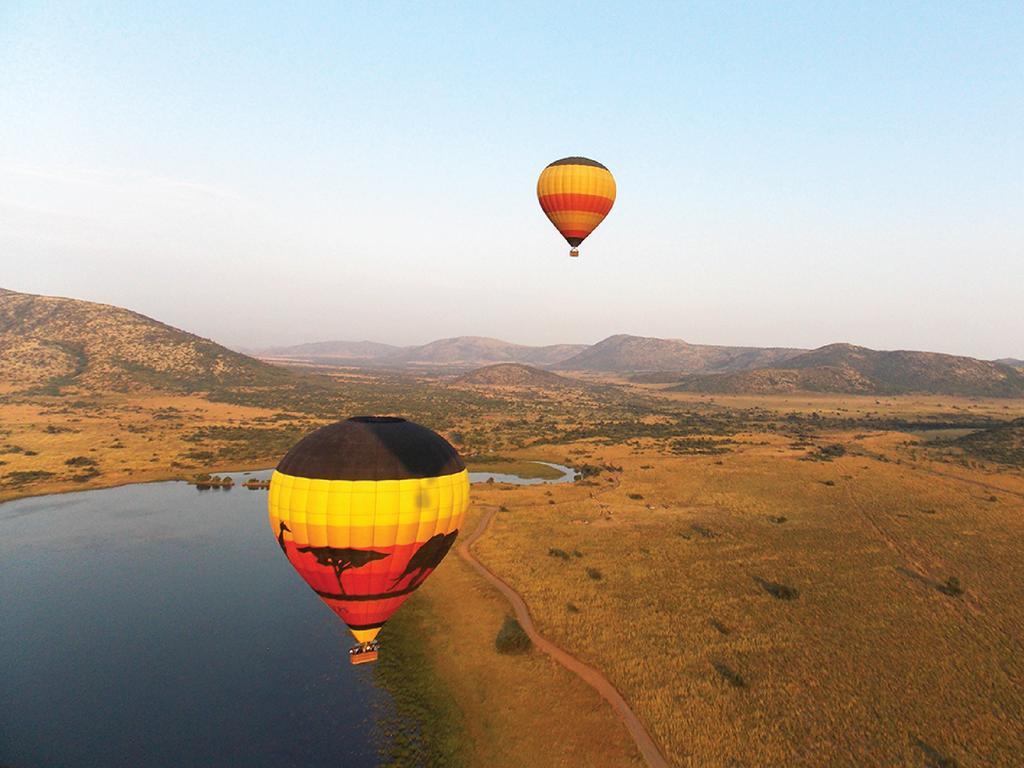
x: 784, y: 602
x: 779, y: 580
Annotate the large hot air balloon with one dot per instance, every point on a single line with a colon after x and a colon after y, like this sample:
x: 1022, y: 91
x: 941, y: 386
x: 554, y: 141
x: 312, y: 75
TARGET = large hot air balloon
x: 365, y: 510
x: 576, y: 194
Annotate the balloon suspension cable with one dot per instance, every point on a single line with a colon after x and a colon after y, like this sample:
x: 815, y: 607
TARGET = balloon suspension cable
x: 574, y: 252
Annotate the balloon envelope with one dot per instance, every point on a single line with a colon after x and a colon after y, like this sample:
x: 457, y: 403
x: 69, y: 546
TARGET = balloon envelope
x: 365, y: 510
x: 576, y: 193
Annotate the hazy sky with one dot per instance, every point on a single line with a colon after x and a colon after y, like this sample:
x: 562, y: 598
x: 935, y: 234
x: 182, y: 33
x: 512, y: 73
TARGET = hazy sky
x: 789, y: 174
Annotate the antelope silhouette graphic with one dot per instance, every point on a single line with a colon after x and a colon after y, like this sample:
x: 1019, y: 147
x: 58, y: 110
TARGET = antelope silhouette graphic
x: 340, y: 559
x: 428, y: 556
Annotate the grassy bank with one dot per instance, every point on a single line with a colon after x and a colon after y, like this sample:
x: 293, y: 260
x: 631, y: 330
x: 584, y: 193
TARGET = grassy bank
x: 479, y: 707
x: 528, y: 470
x: 427, y: 729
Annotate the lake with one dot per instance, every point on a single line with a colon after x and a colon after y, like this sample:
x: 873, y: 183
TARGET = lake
x: 159, y: 625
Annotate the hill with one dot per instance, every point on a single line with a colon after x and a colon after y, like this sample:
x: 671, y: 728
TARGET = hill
x: 474, y: 351
x: 515, y: 375
x: 846, y: 368
x: 460, y: 352
x: 635, y: 354
x: 49, y: 343
x: 1011, y: 361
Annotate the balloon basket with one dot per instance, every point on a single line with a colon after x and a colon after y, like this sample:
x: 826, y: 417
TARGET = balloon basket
x: 575, y: 252
x: 363, y: 654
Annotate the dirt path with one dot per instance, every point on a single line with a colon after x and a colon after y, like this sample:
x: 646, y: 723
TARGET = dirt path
x: 648, y: 749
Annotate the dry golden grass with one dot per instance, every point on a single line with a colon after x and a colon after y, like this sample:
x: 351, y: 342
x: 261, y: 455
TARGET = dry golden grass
x: 871, y: 663
x: 517, y: 710
x: 132, y: 438
x: 875, y: 661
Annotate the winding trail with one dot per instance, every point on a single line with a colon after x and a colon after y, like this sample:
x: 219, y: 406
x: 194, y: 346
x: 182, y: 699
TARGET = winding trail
x: 648, y: 749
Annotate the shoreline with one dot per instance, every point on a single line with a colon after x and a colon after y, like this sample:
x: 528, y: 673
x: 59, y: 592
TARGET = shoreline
x: 99, y: 485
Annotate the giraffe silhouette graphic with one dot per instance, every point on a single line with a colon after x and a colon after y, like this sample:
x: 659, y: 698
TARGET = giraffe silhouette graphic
x: 339, y: 559
x: 427, y: 557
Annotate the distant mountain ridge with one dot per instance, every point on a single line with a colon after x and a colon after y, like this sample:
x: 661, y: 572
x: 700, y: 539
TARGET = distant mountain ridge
x: 839, y: 368
x: 460, y: 352
x: 846, y: 368
x: 52, y: 344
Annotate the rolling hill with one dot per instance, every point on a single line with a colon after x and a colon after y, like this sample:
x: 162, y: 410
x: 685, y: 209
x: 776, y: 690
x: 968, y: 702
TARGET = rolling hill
x: 635, y: 354
x: 48, y: 344
x: 515, y: 375
x: 846, y: 368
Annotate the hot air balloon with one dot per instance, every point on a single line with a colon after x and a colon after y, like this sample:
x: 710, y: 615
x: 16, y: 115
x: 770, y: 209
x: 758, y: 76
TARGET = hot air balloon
x: 576, y: 194
x: 365, y: 510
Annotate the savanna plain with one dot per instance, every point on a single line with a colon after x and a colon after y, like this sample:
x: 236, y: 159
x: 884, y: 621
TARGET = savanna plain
x: 777, y: 580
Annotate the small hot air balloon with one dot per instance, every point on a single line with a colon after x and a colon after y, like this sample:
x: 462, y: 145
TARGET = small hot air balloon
x: 576, y: 193
x: 365, y: 510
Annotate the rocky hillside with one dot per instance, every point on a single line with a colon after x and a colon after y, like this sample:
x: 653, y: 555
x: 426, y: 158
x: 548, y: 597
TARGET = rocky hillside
x: 514, y: 375
x: 48, y: 344
x: 845, y: 368
x: 636, y: 354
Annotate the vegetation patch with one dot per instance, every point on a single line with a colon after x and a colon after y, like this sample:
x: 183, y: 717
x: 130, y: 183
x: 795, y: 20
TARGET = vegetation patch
x: 777, y: 590
x: 427, y: 727
x: 731, y: 676
x: 700, y: 446
x: 512, y: 638
x: 23, y: 477
x: 951, y: 587
x: 827, y: 452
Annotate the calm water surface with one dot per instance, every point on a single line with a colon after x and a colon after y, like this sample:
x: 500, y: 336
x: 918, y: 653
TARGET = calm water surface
x: 158, y: 625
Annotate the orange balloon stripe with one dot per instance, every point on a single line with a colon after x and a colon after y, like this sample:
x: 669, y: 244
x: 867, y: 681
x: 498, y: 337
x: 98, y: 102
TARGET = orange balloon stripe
x: 575, y: 220
x: 570, y: 201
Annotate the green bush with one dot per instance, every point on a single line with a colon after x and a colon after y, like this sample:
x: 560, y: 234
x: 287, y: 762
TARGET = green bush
x: 512, y: 638
x: 80, y: 461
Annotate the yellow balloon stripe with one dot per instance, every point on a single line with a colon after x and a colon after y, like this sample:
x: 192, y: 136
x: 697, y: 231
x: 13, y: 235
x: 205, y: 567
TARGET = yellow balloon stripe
x: 576, y: 179
x: 363, y: 514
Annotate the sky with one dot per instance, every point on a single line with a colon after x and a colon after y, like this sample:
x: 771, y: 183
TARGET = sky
x: 789, y: 174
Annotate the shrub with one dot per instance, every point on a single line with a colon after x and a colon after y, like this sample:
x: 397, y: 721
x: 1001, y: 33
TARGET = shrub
x: 555, y: 552
x: 80, y: 461
x: 777, y: 590
x: 951, y: 587
x: 571, y: 608
x: 635, y: 496
x: 734, y: 678
x: 595, y: 574
x: 719, y: 626
x: 512, y: 638
x: 707, y: 533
